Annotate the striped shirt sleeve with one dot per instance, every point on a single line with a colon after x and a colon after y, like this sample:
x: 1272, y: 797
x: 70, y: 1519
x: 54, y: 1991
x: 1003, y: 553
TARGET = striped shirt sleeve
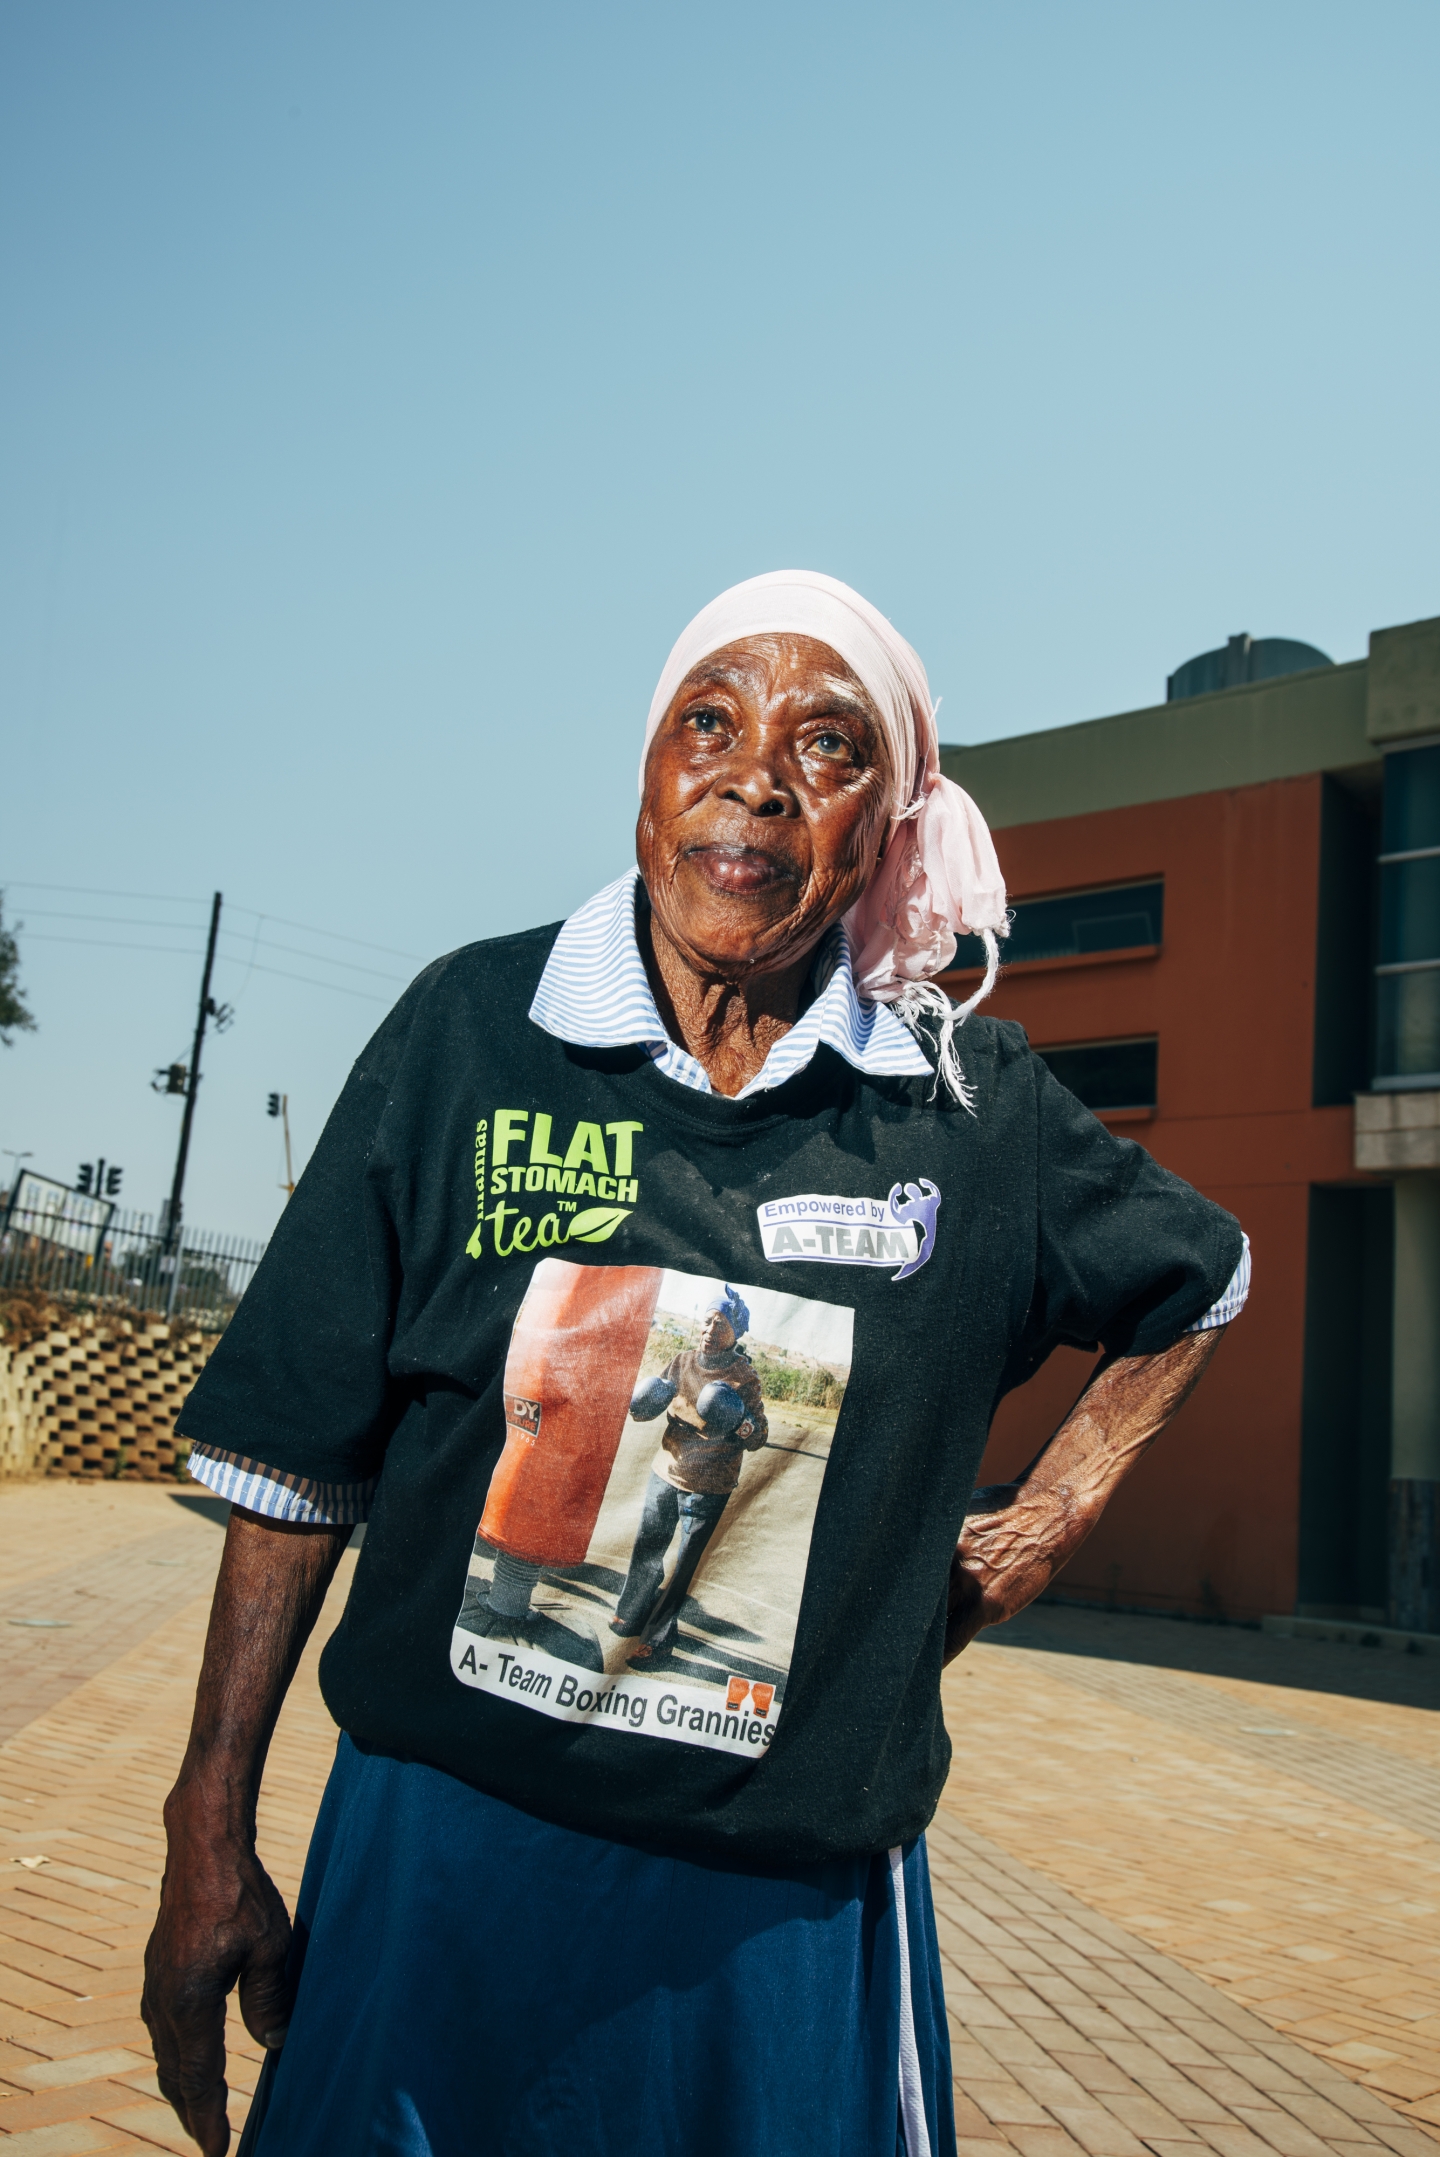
x: 249, y: 1483
x: 1232, y: 1303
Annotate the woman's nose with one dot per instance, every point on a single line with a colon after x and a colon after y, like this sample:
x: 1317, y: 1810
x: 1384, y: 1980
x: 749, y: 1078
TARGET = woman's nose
x: 753, y: 781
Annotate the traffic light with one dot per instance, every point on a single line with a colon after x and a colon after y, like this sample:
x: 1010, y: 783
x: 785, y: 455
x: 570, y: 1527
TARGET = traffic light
x: 274, y: 1108
x: 95, y: 1179
x: 171, y: 1078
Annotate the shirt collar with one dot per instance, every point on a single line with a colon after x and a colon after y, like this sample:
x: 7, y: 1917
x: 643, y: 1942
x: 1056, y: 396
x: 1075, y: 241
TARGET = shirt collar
x: 595, y: 993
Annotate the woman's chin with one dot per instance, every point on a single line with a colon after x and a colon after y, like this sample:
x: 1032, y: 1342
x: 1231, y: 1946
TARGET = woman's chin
x: 723, y: 916
x: 729, y: 938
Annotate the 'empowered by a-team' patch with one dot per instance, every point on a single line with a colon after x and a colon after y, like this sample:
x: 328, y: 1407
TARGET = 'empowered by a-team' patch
x: 828, y: 1230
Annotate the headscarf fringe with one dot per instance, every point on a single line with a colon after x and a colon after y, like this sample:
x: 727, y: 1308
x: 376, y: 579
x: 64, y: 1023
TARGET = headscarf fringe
x: 922, y: 1000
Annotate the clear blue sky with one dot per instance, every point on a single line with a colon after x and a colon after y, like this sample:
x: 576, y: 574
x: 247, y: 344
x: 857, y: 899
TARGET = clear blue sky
x: 385, y: 386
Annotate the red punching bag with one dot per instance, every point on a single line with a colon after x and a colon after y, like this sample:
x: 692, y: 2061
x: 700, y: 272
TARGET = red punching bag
x: 574, y: 1357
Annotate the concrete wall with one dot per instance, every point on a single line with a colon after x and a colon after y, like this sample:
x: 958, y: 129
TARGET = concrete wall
x: 1403, y: 697
x: 1300, y: 724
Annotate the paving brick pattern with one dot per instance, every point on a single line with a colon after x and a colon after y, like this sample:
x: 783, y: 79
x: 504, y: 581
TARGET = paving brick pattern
x: 1319, y: 1913
x: 46, y: 1527
x: 1070, y: 2035
x: 1399, y: 1782
x: 81, y: 1787
x: 1099, y: 1989
x: 78, y: 1591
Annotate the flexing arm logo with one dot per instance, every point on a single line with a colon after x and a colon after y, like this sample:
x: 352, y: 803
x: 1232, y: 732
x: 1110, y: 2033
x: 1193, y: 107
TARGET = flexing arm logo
x: 828, y: 1230
x: 919, y: 1206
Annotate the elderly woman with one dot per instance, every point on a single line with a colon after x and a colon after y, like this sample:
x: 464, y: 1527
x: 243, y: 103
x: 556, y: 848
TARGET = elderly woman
x: 603, y: 1870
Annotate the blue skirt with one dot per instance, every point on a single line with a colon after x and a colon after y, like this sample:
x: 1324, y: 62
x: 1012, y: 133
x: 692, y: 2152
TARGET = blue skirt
x: 476, y: 1983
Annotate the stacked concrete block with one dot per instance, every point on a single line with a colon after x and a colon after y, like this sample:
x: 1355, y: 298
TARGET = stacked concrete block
x: 94, y: 1394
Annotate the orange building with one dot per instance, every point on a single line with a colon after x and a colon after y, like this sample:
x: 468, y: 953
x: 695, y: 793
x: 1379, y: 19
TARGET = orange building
x: 1205, y: 948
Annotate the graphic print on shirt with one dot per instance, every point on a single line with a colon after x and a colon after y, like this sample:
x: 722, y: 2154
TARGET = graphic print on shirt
x: 826, y: 1229
x: 642, y: 1551
x: 595, y: 1163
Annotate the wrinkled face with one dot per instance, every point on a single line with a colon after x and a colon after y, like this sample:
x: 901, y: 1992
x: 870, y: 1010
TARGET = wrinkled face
x: 716, y: 1333
x: 767, y: 790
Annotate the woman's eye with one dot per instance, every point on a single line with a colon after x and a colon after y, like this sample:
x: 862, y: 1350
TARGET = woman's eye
x: 831, y: 744
x: 706, y: 722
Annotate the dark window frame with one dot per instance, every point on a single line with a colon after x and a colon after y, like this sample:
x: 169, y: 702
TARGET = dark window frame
x: 1406, y: 1002
x: 1101, y: 1106
x: 1149, y: 891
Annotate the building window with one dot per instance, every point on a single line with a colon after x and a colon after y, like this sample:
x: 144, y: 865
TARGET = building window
x: 1107, y: 1074
x: 1116, y: 917
x: 1408, y: 975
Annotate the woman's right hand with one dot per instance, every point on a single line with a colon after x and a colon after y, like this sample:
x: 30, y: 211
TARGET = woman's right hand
x: 221, y: 1920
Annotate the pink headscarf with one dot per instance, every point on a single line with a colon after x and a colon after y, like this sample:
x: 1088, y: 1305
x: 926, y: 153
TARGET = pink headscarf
x: 938, y: 876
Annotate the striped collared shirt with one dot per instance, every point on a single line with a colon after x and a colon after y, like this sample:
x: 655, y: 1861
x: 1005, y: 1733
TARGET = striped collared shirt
x: 595, y: 993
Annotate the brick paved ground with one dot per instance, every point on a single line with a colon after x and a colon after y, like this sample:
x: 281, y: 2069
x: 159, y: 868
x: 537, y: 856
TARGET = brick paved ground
x: 1071, y: 2035
x: 81, y: 1786
x: 1187, y: 1882
x: 1272, y: 1833
x: 86, y: 1572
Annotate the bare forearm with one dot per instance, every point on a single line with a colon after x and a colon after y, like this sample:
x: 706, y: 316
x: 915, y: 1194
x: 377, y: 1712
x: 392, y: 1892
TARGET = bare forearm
x: 1125, y: 1406
x: 271, y: 1585
x: 220, y: 1916
x: 1026, y: 1531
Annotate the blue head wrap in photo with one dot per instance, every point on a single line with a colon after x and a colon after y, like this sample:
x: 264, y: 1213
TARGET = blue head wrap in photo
x: 732, y: 1309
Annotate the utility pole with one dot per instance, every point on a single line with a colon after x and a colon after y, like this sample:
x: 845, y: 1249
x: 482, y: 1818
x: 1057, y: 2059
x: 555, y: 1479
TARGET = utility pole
x: 177, y: 1188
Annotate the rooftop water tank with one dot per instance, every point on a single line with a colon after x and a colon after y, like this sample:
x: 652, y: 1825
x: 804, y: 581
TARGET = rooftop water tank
x: 1243, y: 659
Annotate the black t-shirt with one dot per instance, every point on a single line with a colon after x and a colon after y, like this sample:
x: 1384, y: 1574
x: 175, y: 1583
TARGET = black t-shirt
x: 497, y: 1253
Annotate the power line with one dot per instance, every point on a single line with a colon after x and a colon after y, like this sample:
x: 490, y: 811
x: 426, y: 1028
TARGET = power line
x: 309, y: 929
x: 174, y: 951
x: 180, y: 928
x: 97, y: 943
x: 268, y: 943
x: 116, y: 921
x: 93, y: 891
x: 341, y: 988
x: 161, y: 898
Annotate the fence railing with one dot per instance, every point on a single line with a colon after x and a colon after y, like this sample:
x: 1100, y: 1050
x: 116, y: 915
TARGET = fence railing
x: 62, y: 1249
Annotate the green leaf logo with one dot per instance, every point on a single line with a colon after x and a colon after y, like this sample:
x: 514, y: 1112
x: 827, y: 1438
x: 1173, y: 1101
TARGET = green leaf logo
x: 597, y: 1224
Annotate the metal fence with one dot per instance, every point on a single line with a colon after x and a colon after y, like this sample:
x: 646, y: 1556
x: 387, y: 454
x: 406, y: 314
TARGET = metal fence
x: 67, y: 1246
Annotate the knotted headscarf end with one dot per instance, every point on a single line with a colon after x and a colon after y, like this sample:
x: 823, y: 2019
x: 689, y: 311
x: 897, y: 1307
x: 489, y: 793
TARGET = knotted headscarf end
x: 938, y: 878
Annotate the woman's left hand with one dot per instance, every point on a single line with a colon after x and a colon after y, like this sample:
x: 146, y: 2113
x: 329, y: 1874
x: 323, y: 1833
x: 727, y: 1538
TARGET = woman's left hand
x: 1018, y: 1535
x: 1007, y: 1555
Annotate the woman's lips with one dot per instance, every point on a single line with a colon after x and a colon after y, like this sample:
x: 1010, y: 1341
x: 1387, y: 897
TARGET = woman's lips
x: 738, y: 871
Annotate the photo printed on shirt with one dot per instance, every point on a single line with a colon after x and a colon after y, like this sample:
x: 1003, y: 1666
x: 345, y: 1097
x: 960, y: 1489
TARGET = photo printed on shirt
x: 642, y: 1551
